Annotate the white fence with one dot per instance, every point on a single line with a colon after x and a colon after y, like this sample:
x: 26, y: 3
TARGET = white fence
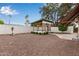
x: 6, y: 29
x: 55, y: 30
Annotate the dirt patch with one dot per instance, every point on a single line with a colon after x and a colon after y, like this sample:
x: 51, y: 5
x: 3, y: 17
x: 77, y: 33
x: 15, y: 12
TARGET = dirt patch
x: 37, y: 45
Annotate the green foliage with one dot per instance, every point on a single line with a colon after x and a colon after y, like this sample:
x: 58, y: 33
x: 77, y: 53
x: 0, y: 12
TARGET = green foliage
x: 48, y: 10
x: 45, y: 33
x: 64, y: 7
x: 26, y: 19
x: 1, y: 22
x: 26, y: 16
x: 40, y: 33
x: 53, y: 11
x: 62, y: 27
x: 33, y: 32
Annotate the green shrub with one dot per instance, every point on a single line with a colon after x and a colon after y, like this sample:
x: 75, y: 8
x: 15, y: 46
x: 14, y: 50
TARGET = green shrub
x: 33, y: 32
x: 1, y: 22
x: 46, y: 32
x: 36, y: 33
x: 40, y: 33
x: 62, y: 27
x: 43, y: 34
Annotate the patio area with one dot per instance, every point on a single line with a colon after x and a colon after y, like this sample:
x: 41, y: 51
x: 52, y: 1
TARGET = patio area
x: 37, y: 45
x: 73, y: 36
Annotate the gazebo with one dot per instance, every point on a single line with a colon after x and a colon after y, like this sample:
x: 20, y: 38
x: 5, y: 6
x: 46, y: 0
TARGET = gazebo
x: 42, y: 25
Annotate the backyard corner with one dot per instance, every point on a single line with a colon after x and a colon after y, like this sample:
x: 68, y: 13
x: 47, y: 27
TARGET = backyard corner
x: 67, y: 36
x: 32, y: 30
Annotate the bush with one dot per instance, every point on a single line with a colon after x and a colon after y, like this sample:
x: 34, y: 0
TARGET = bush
x: 40, y: 33
x: 36, y: 32
x: 1, y: 22
x: 33, y: 32
x: 62, y: 27
x: 46, y: 32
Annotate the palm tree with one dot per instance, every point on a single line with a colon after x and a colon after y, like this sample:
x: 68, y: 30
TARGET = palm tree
x: 10, y: 16
x: 26, y: 19
x: 26, y: 16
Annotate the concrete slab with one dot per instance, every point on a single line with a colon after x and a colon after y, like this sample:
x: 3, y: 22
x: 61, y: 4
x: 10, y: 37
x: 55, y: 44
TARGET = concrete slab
x: 68, y: 36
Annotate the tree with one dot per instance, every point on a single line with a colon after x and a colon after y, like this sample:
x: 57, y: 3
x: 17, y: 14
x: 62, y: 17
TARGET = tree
x: 50, y: 11
x: 45, y: 11
x: 1, y: 21
x: 64, y: 8
x: 54, y: 10
x: 26, y: 16
x: 62, y: 27
x: 10, y: 16
x: 26, y: 19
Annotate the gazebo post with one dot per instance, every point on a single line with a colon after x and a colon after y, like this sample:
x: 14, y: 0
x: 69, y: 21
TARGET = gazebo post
x: 46, y: 27
x: 42, y: 27
x: 37, y: 28
x: 33, y: 28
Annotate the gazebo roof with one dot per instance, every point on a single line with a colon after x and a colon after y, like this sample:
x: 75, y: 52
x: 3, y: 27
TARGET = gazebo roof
x: 40, y: 21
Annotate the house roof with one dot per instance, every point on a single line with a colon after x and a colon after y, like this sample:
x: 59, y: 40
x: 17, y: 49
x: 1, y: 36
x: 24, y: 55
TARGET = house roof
x: 70, y: 16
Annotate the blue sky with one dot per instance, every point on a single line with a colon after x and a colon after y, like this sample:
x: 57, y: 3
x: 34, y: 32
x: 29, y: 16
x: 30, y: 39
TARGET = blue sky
x: 18, y: 12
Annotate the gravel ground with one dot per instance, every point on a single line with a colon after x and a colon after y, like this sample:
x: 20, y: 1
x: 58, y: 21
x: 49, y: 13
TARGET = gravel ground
x: 37, y: 45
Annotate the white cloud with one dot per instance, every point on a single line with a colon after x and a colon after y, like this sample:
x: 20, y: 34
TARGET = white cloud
x: 6, y: 10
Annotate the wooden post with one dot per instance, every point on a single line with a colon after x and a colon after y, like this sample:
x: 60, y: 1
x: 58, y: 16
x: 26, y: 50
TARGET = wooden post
x: 42, y: 27
x: 37, y: 28
x: 33, y: 28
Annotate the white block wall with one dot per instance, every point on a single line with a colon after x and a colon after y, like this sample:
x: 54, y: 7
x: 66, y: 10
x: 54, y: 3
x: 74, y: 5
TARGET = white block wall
x: 55, y: 29
x: 6, y: 29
